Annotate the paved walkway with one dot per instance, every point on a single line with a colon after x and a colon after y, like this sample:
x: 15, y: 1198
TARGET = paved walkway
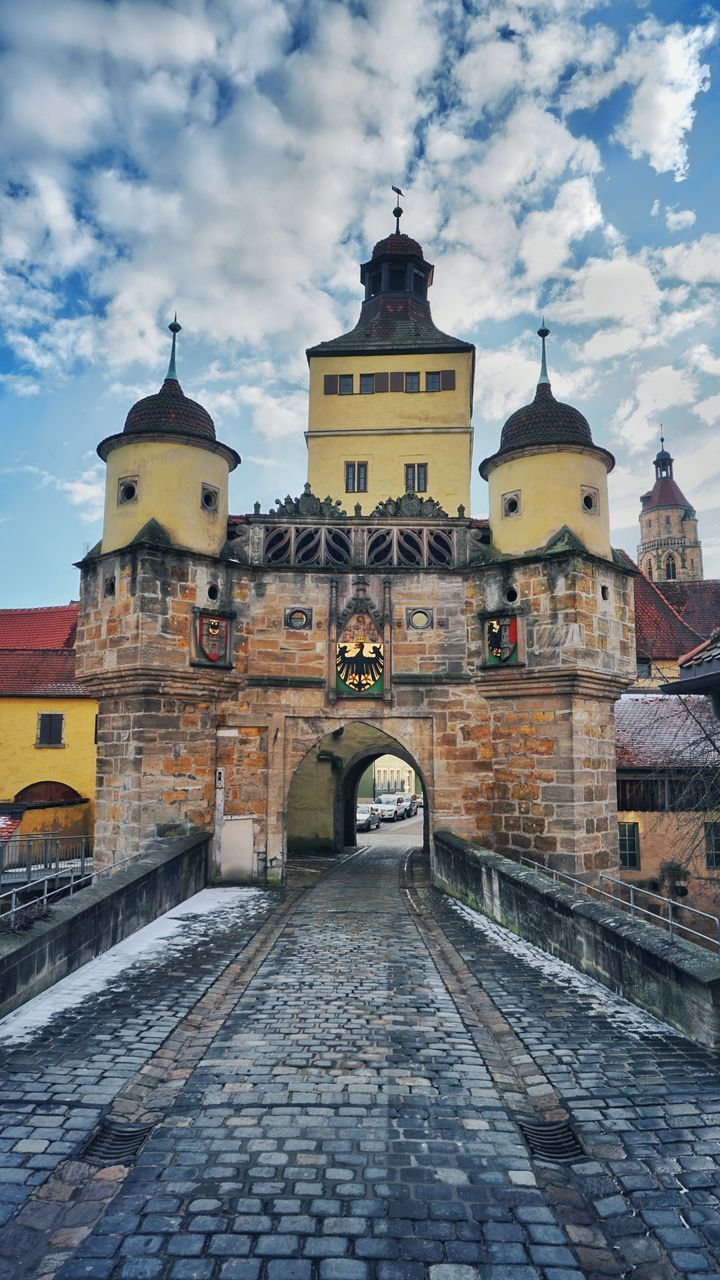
x: 342, y: 1104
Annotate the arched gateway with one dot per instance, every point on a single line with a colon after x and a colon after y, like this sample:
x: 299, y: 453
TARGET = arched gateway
x: 247, y: 667
x: 322, y: 796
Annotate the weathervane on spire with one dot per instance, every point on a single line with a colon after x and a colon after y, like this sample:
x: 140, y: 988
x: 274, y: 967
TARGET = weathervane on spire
x: 397, y: 211
x: 543, y: 332
x: 175, y: 330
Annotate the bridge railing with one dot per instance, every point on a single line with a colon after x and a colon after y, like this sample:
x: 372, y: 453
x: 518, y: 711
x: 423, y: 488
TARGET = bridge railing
x: 631, y: 899
x: 32, y: 857
x: 31, y: 899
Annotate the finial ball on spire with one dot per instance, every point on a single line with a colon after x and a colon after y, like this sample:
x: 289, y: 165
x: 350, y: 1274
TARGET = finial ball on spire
x: 174, y: 327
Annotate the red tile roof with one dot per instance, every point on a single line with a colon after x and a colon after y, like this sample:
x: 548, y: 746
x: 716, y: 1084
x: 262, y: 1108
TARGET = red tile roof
x: 37, y: 652
x: 656, y: 730
x: 665, y: 493
x: 50, y: 628
x: 660, y: 633
x: 697, y: 603
x: 47, y: 673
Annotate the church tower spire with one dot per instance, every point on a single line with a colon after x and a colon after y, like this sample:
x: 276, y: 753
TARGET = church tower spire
x: 669, y: 548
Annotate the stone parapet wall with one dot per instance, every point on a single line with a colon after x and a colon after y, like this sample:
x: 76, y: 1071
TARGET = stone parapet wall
x: 677, y: 981
x: 99, y: 916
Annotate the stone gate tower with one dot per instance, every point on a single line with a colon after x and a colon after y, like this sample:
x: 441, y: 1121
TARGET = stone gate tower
x: 250, y: 667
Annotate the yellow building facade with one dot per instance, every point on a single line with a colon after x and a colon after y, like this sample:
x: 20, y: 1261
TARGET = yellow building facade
x: 47, y: 723
x: 390, y: 402
x: 26, y: 760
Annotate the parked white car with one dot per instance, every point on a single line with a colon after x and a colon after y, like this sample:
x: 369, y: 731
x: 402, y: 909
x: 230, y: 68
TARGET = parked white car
x: 392, y: 807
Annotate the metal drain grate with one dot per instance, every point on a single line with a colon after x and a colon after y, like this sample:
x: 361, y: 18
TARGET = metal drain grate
x: 551, y: 1140
x: 116, y: 1143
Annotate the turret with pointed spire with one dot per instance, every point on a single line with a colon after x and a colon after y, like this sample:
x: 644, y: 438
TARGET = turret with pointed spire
x: 669, y: 547
x: 548, y: 475
x: 167, y: 466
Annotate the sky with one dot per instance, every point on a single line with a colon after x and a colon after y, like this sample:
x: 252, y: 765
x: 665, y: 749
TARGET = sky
x: 233, y: 160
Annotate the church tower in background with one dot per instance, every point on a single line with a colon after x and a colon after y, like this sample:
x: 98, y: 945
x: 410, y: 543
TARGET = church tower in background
x: 391, y: 401
x: 669, y: 549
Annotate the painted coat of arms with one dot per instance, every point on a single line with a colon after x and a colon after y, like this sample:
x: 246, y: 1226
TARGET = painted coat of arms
x: 501, y: 638
x: 359, y: 659
x: 213, y: 638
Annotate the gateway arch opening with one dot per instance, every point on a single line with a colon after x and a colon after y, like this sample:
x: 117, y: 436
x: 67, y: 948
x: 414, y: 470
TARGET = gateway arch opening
x: 353, y: 764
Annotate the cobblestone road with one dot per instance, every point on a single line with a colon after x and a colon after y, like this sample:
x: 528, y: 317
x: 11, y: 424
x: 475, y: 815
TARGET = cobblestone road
x: 342, y: 1104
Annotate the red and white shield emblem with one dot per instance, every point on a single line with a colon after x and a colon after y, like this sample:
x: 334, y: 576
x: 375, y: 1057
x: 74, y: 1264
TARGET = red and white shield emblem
x: 213, y: 638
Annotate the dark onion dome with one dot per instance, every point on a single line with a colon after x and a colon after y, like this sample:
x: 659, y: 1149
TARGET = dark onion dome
x: 171, y: 413
x: 169, y: 410
x: 398, y: 242
x: 546, y: 421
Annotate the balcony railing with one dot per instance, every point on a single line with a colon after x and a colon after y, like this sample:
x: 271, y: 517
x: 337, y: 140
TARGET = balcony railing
x: 26, y: 858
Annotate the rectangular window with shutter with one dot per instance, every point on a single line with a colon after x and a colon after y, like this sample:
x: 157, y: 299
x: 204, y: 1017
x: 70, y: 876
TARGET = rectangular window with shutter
x: 50, y: 730
x: 447, y: 379
x: 381, y: 382
x: 367, y: 384
x: 397, y: 381
x: 432, y: 382
x: 345, y: 384
x: 412, y: 381
x: 330, y: 384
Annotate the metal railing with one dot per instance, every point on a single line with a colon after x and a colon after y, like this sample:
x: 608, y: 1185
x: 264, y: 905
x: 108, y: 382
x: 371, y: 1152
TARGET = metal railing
x: 667, y: 919
x: 17, y: 911
x: 32, y: 857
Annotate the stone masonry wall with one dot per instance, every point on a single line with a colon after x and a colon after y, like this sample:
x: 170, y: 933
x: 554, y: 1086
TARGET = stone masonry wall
x: 521, y: 758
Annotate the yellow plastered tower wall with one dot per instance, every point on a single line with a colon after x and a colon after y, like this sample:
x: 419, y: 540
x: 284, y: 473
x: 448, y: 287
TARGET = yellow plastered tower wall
x: 548, y: 479
x: 391, y: 401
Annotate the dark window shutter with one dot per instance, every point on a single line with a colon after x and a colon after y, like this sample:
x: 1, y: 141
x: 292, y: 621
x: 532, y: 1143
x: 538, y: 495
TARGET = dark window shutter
x: 331, y: 384
x: 381, y: 382
x: 447, y: 379
x: 397, y: 381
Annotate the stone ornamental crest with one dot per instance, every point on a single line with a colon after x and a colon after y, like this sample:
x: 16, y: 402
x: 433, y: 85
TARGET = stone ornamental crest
x: 360, y: 603
x: 308, y: 505
x: 409, y: 504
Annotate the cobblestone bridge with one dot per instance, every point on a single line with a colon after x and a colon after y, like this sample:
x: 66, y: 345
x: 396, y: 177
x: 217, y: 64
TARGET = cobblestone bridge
x: 333, y: 1079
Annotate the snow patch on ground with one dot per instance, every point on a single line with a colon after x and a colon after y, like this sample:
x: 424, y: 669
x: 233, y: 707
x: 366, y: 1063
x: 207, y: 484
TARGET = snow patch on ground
x: 599, y: 999
x: 212, y: 909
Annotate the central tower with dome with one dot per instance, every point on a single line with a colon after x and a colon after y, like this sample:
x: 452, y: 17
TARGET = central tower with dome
x: 248, y: 668
x: 391, y: 401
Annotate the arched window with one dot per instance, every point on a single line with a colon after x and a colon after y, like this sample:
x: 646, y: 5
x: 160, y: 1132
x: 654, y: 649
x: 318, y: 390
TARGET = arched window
x: 670, y: 568
x: 648, y: 569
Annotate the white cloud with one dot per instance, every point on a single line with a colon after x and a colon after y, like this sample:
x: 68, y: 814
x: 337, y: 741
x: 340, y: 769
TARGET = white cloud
x: 709, y: 410
x: 697, y: 262
x: 637, y: 419
x: 678, y: 219
x: 619, y: 289
x: 548, y: 236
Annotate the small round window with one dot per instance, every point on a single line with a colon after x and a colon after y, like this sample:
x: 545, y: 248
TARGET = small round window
x: 511, y: 504
x: 127, y: 490
x: 419, y: 619
x: 209, y: 498
x: 511, y: 595
x: 590, y: 500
